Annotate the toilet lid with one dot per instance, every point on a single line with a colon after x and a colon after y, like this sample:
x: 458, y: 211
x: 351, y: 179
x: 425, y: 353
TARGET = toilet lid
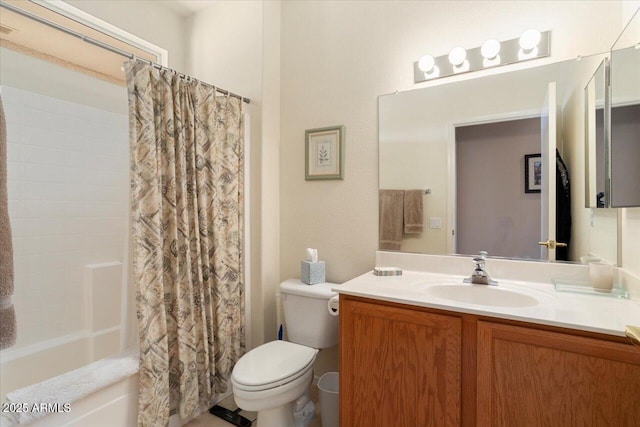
x: 271, y: 363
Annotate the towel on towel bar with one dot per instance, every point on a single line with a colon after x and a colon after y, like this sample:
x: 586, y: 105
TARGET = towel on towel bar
x: 391, y: 218
x: 413, y: 216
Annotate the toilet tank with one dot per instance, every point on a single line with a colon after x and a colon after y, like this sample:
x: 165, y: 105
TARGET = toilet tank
x: 306, y: 316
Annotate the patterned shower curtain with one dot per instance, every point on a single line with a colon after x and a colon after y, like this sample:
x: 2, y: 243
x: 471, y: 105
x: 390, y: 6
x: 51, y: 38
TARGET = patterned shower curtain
x: 187, y: 216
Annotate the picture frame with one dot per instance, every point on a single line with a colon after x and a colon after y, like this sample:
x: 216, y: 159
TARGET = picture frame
x: 533, y: 173
x: 324, y: 153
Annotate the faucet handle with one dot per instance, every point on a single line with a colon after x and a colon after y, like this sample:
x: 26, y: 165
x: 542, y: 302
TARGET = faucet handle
x: 479, y: 262
x: 483, y: 254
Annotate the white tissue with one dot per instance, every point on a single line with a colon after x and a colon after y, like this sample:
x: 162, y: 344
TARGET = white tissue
x: 312, y: 255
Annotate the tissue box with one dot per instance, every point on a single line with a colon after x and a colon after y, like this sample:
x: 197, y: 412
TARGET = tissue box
x: 312, y: 272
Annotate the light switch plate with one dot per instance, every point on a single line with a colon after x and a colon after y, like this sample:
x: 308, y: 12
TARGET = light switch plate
x: 435, y: 222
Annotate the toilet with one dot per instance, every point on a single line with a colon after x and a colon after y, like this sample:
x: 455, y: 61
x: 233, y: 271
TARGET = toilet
x: 274, y: 379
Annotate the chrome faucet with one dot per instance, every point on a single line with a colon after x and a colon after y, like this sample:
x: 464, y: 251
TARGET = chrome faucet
x: 480, y: 276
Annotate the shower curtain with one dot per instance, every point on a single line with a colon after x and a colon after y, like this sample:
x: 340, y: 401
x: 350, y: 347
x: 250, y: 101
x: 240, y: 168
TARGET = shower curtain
x: 187, y: 216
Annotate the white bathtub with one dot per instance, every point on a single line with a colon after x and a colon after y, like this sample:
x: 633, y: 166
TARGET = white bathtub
x: 115, y: 405
x: 112, y: 406
x: 37, y: 363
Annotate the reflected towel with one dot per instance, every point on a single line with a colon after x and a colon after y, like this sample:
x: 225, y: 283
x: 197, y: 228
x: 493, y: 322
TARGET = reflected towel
x: 413, y: 216
x: 7, y: 313
x: 391, y: 218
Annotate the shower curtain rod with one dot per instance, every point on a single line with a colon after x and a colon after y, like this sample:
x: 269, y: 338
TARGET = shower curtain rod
x: 112, y: 49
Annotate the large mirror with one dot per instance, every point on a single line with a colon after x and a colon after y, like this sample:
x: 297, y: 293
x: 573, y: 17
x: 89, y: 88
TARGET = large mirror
x: 477, y: 151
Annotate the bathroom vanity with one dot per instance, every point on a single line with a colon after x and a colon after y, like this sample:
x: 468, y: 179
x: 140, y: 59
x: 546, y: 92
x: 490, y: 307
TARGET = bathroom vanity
x: 424, y: 349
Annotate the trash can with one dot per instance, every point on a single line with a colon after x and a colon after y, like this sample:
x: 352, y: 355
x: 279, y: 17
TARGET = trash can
x: 328, y: 386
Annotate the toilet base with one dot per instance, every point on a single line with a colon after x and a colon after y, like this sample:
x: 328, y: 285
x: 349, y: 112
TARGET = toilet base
x: 282, y: 416
x: 275, y: 405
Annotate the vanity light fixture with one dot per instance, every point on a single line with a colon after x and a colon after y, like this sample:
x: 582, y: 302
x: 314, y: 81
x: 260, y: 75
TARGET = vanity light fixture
x: 532, y: 44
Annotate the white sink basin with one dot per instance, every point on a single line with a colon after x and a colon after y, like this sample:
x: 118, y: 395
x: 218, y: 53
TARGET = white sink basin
x: 492, y: 296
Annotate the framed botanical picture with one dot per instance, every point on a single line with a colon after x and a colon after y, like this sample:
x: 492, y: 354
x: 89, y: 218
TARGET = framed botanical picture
x: 532, y: 173
x: 324, y: 153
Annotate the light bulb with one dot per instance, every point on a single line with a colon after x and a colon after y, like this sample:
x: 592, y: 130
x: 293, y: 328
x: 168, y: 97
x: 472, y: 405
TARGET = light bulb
x: 529, y: 40
x: 490, y: 49
x: 457, y: 56
x: 426, y: 63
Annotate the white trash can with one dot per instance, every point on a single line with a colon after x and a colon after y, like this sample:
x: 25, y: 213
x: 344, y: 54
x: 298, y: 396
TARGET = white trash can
x: 328, y: 386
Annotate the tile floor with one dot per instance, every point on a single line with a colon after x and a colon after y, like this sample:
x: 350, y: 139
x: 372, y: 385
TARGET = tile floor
x: 208, y: 420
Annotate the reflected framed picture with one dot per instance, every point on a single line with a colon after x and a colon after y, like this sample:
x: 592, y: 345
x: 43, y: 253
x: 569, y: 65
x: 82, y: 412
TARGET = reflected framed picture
x: 324, y: 153
x: 532, y: 173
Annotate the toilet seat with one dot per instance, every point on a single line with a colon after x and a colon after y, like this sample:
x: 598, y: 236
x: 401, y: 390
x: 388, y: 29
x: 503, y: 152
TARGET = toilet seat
x: 272, y: 365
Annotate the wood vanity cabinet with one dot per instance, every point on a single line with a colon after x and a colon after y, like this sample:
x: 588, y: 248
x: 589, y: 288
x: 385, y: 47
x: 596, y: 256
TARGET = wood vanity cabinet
x: 530, y: 377
x: 398, y: 367
x: 404, y: 365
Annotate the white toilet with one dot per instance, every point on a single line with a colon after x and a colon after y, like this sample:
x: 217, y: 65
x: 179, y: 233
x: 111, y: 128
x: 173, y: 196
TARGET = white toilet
x: 274, y: 378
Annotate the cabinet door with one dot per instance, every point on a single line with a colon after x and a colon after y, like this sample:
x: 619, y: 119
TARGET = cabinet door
x: 399, y: 367
x: 529, y: 377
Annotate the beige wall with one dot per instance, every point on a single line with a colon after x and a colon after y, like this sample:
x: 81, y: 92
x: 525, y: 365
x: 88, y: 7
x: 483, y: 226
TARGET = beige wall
x: 338, y: 57
x: 270, y: 168
x: 631, y: 240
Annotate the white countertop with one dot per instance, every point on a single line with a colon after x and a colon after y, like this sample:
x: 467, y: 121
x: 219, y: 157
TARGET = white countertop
x: 567, y: 310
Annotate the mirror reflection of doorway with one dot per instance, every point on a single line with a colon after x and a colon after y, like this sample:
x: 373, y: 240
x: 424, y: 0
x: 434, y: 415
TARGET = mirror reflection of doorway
x: 493, y: 211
